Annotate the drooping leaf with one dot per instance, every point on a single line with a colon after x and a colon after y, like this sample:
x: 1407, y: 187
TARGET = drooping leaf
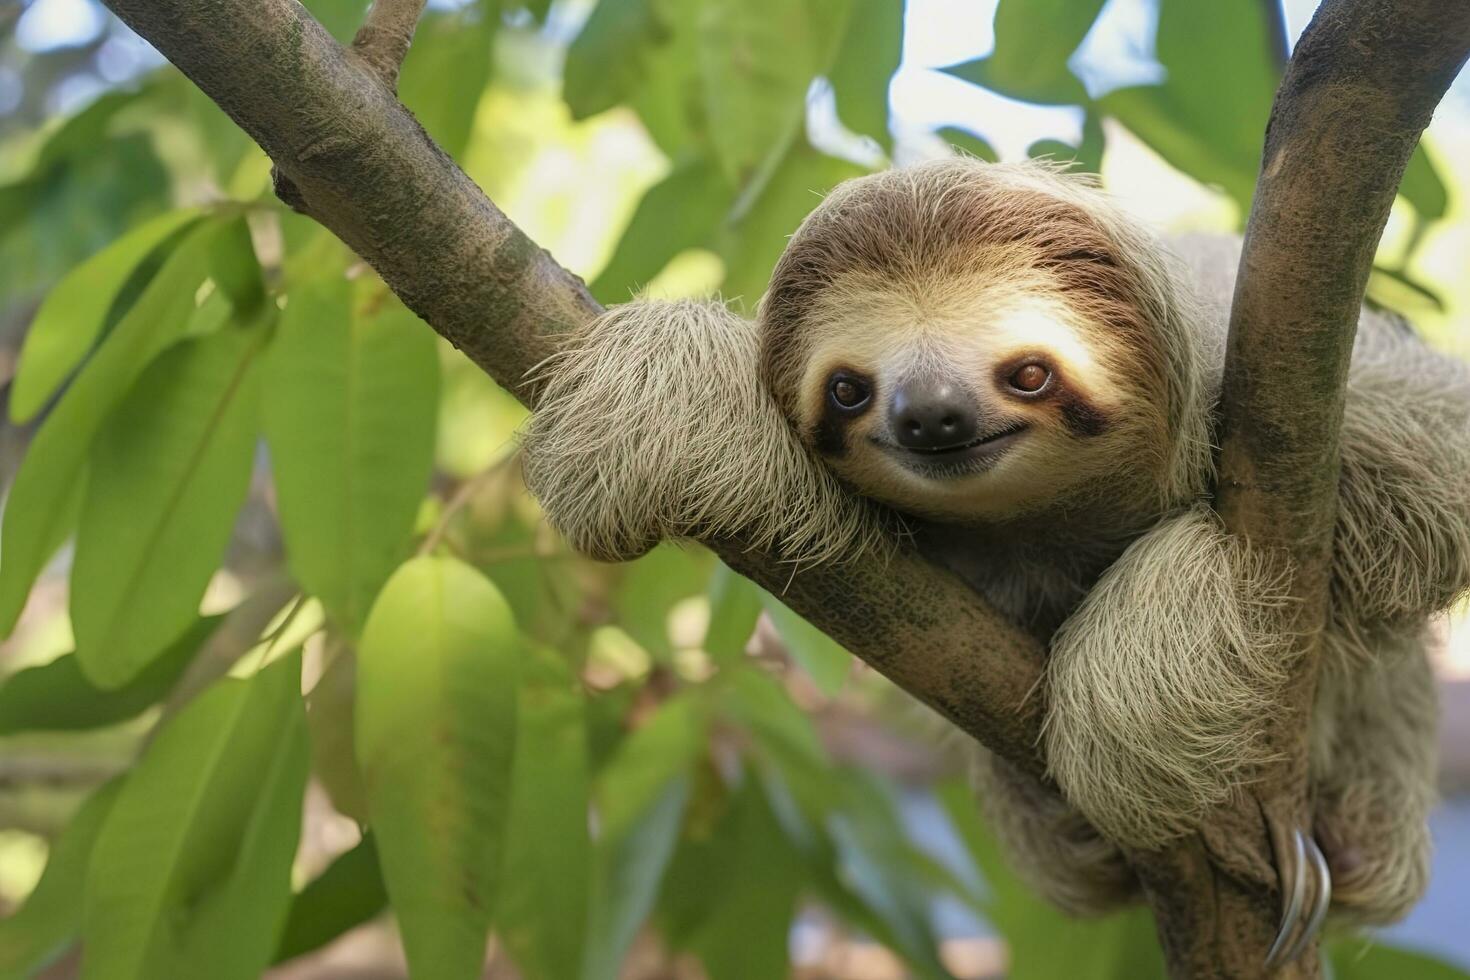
x: 544, y: 895
x: 649, y: 588
x: 1043, y: 940
x: 757, y: 58
x: 748, y: 882
x: 234, y: 268
x: 331, y: 721
x: 58, y: 697
x: 1033, y: 41
x: 684, y: 210
x: 39, y: 503
x: 436, y: 723
x: 1211, y: 131
x: 671, y: 102
x: 607, y: 61
x: 169, y: 471
x: 444, y: 101
x: 629, y: 868
x: 51, y: 917
x: 347, y: 894
x: 75, y: 311
x: 735, y: 605
x: 191, y: 874
x: 822, y: 657
x: 641, y: 796
x: 872, y: 45
x: 350, y: 411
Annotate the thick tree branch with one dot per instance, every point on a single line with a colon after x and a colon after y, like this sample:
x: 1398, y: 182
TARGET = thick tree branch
x: 368, y: 172
x: 1358, y: 92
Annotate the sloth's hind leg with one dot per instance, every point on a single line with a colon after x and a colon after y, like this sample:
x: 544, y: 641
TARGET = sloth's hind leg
x: 1052, y: 847
x: 1374, y: 768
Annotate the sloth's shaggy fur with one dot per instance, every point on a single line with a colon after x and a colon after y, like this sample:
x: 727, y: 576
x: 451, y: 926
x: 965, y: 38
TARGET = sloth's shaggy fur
x: 1177, y: 719
x: 657, y: 424
x: 653, y: 424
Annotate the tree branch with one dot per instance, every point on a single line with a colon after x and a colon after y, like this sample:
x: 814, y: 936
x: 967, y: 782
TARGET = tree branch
x: 385, y: 36
x: 368, y: 172
x: 1358, y: 91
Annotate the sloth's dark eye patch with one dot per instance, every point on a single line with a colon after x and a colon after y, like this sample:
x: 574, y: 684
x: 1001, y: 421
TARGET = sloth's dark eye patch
x: 848, y: 392
x: 1030, y: 378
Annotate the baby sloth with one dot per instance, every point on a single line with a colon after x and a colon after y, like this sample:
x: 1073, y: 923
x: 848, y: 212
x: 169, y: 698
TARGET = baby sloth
x: 1028, y: 380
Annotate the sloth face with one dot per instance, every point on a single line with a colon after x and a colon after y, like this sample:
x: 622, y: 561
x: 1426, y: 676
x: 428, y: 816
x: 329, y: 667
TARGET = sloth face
x: 969, y: 342
x: 967, y: 402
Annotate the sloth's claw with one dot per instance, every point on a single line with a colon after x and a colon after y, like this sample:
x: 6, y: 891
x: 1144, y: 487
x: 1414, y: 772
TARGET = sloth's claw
x: 1306, y: 858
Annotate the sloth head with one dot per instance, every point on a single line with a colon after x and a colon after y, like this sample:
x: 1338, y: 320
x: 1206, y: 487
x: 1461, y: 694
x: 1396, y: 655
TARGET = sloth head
x: 968, y: 342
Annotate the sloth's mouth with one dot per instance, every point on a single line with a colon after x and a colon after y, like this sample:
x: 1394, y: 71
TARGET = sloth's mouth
x: 965, y: 459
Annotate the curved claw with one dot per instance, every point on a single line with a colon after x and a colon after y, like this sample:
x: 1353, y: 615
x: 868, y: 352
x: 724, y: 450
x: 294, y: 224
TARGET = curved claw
x: 1294, y: 877
x: 1319, y: 905
x: 1295, y: 892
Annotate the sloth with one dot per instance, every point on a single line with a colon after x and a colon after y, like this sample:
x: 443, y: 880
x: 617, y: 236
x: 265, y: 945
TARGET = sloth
x: 995, y: 365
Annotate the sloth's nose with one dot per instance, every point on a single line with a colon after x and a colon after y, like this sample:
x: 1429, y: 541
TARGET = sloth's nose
x: 930, y: 416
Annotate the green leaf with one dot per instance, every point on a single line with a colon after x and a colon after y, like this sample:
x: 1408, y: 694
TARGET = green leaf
x: 1211, y: 131
x: 1422, y: 187
x: 751, y: 886
x: 51, y: 917
x: 757, y: 58
x: 872, y: 46
x: 39, y: 504
x: 1359, y: 958
x: 444, y: 99
x: 1044, y: 941
x: 436, y: 723
x: 191, y: 875
x: 330, y: 721
x: 630, y: 866
x: 169, y: 471
x: 58, y: 697
x: 822, y: 657
x: 75, y: 311
x: 650, y: 587
x: 682, y: 211
x: 607, y: 61
x: 671, y: 102
x: 734, y: 607
x: 351, y: 402
x: 1030, y: 60
x: 546, y: 878
x: 235, y: 269
x: 757, y: 239
x: 347, y: 894
x: 641, y: 796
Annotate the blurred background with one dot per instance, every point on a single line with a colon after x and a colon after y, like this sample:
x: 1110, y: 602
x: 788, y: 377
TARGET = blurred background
x: 788, y: 811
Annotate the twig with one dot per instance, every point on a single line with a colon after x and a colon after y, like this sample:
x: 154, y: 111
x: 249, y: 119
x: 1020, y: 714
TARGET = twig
x: 385, y: 36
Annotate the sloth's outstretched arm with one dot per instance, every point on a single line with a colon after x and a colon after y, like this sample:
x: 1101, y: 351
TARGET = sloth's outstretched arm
x: 654, y: 424
x: 1158, y: 679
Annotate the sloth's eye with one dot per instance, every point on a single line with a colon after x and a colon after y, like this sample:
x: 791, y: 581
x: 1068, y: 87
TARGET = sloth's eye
x: 848, y: 392
x: 1030, y: 378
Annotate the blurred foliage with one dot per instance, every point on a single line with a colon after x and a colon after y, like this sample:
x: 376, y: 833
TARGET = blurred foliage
x: 572, y: 755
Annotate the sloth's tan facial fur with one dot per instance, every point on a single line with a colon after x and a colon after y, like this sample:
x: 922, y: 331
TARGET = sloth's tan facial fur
x: 1005, y: 351
x: 963, y: 401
